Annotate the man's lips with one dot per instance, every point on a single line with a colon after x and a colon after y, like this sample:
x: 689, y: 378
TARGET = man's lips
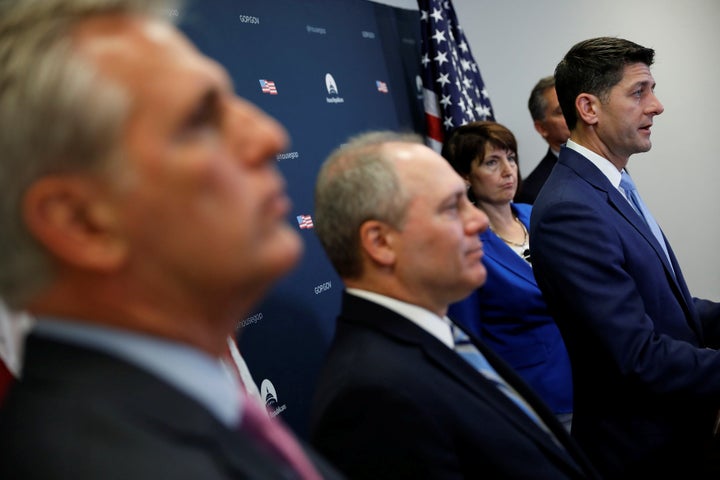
x: 476, y: 251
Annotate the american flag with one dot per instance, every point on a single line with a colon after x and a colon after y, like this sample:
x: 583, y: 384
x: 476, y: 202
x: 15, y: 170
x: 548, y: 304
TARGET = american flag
x: 381, y: 86
x: 454, y: 92
x: 305, y: 221
x: 268, y: 86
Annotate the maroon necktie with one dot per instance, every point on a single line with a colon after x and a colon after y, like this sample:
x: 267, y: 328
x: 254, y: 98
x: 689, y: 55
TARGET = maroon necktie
x: 270, y: 433
x: 275, y: 438
x: 6, y: 379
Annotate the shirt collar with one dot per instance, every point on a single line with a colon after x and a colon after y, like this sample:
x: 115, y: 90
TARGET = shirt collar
x: 602, y: 163
x: 438, y: 327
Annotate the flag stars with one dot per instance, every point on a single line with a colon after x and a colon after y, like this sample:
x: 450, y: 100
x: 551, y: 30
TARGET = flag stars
x: 441, y: 58
x: 449, y: 67
x: 439, y: 37
x: 483, y: 111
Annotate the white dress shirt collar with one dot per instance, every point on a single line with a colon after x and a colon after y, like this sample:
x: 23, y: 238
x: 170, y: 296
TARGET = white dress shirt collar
x: 602, y: 163
x: 439, y: 327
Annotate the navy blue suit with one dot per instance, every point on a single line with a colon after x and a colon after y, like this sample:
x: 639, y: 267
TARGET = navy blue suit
x: 646, y: 372
x: 394, y: 402
x: 510, y: 315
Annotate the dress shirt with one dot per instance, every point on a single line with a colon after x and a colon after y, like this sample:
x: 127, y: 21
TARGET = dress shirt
x: 602, y: 163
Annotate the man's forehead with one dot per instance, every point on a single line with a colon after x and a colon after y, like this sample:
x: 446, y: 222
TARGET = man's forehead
x: 637, y: 72
x: 113, y: 38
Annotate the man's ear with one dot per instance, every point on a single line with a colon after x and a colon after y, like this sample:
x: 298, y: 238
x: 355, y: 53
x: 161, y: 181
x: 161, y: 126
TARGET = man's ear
x: 587, y: 108
x: 73, y: 220
x: 540, y: 128
x: 376, y: 241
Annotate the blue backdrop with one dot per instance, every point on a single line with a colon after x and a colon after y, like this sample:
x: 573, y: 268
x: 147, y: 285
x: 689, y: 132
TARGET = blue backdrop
x: 326, y: 69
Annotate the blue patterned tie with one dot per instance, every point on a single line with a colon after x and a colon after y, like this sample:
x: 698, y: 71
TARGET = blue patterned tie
x: 465, y: 348
x: 638, y: 205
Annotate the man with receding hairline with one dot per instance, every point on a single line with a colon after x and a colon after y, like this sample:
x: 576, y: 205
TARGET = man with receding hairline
x: 142, y: 215
x: 404, y: 394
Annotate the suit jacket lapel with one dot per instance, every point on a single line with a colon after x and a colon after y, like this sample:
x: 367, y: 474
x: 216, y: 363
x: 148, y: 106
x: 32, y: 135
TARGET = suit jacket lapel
x: 132, y: 395
x: 588, y: 172
x: 496, y: 249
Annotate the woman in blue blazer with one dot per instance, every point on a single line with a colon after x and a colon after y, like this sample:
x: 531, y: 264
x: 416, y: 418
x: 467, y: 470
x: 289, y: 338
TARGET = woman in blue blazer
x: 508, y: 312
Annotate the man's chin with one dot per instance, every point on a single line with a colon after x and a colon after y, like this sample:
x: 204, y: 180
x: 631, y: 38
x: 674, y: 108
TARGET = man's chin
x: 283, y: 251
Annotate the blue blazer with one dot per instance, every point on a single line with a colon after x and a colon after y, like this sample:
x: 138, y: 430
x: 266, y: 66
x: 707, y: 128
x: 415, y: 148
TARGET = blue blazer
x: 646, y: 372
x: 509, y: 314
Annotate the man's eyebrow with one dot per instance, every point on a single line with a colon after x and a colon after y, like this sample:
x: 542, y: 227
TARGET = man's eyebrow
x: 206, y: 107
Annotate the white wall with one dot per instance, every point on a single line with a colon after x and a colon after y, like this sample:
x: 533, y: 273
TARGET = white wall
x: 516, y: 42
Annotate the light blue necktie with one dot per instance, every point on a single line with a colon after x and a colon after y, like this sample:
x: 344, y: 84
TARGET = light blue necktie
x: 465, y: 348
x: 638, y: 205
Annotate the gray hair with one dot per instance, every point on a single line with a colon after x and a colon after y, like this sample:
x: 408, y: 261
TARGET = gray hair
x: 357, y: 183
x: 537, y: 104
x: 58, y: 116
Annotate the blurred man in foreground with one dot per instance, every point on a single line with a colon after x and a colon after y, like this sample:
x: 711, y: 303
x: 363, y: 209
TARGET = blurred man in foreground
x: 141, y: 216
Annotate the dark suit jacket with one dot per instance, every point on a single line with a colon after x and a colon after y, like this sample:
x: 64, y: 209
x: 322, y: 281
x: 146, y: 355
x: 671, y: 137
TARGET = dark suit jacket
x: 394, y: 402
x: 509, y: 314
x: 83, y: 415
x: 532, y: 184
x: 646, y: 386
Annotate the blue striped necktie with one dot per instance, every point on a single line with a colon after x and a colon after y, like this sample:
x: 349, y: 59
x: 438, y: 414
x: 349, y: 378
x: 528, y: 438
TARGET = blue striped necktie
x: 628, y: 186
x: 465, y: 348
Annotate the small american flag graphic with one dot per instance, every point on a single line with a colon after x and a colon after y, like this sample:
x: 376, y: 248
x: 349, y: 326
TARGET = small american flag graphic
x: 305, y: 221
x: 381, y: 86
x: 268, y: 86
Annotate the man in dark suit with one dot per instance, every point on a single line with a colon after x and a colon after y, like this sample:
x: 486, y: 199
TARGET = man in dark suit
x: 550, y: 124
x: 142, y: 216
x: 395, y: 400
x: 645, y: 366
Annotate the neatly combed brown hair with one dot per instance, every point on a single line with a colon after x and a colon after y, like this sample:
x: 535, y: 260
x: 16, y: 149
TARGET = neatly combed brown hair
x: 594, y: 66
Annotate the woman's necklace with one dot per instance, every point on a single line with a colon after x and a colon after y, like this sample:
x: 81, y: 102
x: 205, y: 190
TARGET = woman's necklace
x: 515, y: 244
x: 525, y: 252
